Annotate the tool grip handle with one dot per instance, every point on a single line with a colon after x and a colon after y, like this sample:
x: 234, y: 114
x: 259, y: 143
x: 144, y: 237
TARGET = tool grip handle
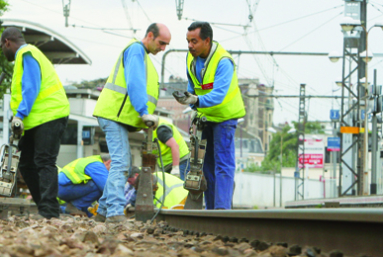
x: 149, y: 123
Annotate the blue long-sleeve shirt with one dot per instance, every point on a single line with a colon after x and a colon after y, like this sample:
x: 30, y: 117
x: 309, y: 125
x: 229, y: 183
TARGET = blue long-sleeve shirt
x: 96, y: 170
x: 135, y: 76
x: 222, y: 80
x: 30, y: 84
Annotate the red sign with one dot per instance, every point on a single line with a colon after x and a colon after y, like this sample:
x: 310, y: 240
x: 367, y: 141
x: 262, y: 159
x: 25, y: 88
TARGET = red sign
x: 312, y: 160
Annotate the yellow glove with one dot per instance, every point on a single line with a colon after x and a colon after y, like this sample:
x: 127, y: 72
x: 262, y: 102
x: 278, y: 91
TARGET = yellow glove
x: 93, y: 209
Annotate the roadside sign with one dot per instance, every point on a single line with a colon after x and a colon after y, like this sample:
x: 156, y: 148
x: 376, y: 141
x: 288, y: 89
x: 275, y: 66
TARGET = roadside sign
x: 362, y: 115
x: 333, y: 144
x: 334, y: 114
x: 314, y: 154
x: 349, y: 130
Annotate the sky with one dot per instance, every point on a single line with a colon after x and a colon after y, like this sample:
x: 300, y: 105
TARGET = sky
x: 278, y: 25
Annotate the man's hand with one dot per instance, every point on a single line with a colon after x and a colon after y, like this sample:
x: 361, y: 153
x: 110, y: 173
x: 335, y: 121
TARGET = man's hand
x: 187, y: 99
x: 150, y: 120
x: 17, y: 125
x: 176, y: 169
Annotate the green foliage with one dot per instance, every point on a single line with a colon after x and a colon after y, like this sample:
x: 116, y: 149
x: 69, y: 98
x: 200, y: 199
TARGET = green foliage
x: 5, y: 66
x: 288, y: 143
x: 91, y: 84
x: 311, y: 127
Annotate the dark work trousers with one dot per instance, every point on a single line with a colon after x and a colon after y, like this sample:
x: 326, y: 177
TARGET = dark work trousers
x: 39, y: 149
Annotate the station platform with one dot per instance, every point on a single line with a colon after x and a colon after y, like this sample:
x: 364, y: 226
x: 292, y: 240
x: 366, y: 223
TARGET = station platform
x: 344, y: 202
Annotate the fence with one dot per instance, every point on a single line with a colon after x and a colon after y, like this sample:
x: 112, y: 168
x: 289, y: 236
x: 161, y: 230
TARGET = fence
x: 263, y: 190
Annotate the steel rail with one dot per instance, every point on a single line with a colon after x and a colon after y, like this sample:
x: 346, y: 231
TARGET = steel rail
x: 351, y: 230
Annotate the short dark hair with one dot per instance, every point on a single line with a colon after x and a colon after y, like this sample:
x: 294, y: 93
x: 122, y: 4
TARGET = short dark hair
x: 12, y: 34
x: 154, y: 29
x: 206, y: 30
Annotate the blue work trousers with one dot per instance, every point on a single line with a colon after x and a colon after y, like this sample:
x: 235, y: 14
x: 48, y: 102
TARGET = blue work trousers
x: 113, y: 201
x: 80, y: 195
x: 184, y: 168
x: 219, y: 163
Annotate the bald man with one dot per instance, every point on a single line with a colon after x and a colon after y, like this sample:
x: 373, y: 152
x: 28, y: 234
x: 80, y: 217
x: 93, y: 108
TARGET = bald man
x: 126, y: 104
x: 40, y: 105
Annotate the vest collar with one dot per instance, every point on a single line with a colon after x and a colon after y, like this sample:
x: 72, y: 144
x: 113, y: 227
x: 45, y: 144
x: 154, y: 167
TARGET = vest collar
x: 214, y: 47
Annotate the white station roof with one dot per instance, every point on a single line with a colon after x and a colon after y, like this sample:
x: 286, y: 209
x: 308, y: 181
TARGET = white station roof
x: 56, y: 47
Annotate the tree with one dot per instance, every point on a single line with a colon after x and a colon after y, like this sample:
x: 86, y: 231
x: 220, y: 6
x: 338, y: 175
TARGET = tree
x: 272, y: 161
x: 5, y: 66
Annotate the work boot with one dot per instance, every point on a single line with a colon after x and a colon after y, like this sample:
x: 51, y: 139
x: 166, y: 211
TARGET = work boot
x: 116, y: 219
x: 72, y: 210
x: 99, y: 218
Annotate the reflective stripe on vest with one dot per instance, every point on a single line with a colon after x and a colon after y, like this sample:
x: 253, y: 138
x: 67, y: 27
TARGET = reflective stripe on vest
x: 174, y: 191
x: 75, y: 170
x: 114, y: 101
x: 232, y: 106
x: 166, y: 152
x: 122, y: 90
x: 51, y: 103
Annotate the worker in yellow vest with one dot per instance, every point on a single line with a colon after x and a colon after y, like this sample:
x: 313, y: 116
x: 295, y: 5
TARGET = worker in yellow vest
x: 213, y: 92
x: 174, y: 150
x: 126, y: 104
x: 39, y: 104
x: 175, y: 194
x: 82, y: 182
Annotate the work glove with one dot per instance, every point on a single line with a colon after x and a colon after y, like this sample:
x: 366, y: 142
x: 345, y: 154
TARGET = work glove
x: 150, y: 120
x: 17, y: 125
x: 187, y: 99
x: 176, y: 170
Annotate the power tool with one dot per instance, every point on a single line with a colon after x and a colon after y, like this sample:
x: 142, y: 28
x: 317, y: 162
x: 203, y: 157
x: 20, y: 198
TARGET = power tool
x: 195, y: 180
x: 10, y: 157
x: 144, y: 208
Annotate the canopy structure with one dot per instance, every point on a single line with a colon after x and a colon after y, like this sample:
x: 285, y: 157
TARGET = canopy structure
x: 56, y: 47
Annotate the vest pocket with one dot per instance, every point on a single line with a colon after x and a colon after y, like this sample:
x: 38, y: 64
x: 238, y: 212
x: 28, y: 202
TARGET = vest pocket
x: 122, y: 105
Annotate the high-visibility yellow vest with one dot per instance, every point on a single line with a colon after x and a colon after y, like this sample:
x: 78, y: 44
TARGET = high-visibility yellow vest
x: 75, y: 170
x: 174, y: 191
x: 51, y: 102
x: 114, y: 101
x: 166, y: 151
x: 232, y: 106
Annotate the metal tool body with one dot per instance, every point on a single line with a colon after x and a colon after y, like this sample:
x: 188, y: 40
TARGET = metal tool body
x: 9, y: 163
x: 195, y: 180
x: 144, y: 208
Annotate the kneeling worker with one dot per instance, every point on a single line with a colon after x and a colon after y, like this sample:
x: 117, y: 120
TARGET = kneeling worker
x: 175, y: 194
x: 82, y: 182
x: 174, y: 150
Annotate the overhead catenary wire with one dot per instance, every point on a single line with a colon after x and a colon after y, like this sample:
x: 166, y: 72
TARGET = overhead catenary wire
x: 311, y: 31
x: 376, y: 7
x: 296, y: 19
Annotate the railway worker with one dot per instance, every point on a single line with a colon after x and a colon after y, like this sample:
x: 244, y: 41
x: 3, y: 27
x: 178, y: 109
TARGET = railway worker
x: 82, y: 182
x: 175, y: 194
x: 39, y: 104
x: 214, y: 92
x: 174, y: 150
x: 125, y: 105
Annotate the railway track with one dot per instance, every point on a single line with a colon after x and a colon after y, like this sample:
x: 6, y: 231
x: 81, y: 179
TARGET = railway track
x: 352, y: 231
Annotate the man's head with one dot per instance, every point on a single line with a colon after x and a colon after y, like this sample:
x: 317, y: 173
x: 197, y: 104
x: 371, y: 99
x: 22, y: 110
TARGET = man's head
x: 106, y: 160
x: 200, y: 38
x: 11, y: 40
x: 157, y: 37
